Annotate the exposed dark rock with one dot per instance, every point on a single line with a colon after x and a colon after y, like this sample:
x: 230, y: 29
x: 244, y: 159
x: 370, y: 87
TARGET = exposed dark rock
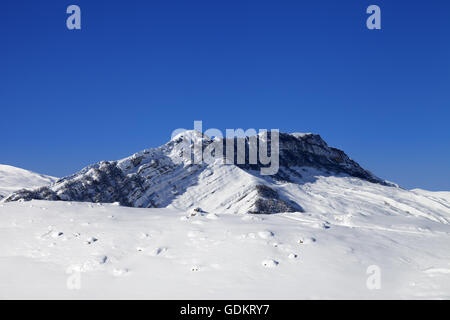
x: 268, y: 201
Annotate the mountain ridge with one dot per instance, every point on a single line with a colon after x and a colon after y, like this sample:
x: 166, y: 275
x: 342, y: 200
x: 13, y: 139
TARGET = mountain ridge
x: 164, y: 177
x: 13, y: 179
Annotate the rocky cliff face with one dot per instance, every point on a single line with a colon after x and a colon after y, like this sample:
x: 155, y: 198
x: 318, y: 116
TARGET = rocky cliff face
x: 164, y: 177
x: 299, y: 150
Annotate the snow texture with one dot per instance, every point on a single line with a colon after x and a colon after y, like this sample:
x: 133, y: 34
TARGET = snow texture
x: 163, y: 253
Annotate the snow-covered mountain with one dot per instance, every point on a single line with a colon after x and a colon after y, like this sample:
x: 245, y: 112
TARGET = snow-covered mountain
x: 335, y: 224
x: 13, y: 179
x: 163, y: 177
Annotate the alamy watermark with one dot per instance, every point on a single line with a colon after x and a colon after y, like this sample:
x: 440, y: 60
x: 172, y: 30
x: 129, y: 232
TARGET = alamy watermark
x: 241, y: 147
x: 374, y: 20
x: 73, y: 281
x: 373, y: 282
x: 73, y: 22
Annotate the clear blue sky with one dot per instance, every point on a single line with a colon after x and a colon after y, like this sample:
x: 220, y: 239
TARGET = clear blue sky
x: 139, y: 69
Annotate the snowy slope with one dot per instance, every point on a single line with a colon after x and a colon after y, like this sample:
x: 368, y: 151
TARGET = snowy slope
x: 13, y: 179
x: 109, y: 251
x: 441, y: 195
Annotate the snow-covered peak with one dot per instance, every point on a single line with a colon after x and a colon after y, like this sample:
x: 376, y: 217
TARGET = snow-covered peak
x: 13, y: 179
x: 194, y: 136
x: 301, y: 134
x: 167, y: 176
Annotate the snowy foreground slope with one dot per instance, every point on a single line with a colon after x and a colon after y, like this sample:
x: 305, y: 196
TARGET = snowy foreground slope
x: 348, y: 225
x: 13, y: 179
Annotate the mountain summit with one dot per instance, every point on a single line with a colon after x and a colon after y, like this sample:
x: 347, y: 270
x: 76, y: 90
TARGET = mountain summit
x: 164, y: 177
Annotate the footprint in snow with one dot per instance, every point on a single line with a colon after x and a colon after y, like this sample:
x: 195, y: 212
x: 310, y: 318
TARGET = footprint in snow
x: 265, y: 234
x: 320, y: 225
x: 94, y: 263
x: 270, y: 263
x: 158, y: 251
x: 91, y: 240
x: 308, y: 240
x: 57, y: 234
x: 144, y: 235
x: 275, y: 244
x: 120, y: 272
